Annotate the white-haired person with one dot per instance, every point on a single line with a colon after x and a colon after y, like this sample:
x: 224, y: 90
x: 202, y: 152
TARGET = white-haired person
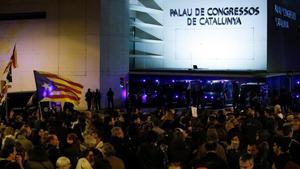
x: 63, y: 163
x: 83, y: 163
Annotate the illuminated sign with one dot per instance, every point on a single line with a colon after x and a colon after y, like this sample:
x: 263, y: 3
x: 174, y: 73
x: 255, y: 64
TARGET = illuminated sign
x: 283, y: 16
x: 215, y: 35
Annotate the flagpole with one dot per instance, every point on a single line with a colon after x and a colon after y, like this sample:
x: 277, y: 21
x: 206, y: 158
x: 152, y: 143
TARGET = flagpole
x: 50, y: 107
x: 40, y: 111
x: 6, y: 105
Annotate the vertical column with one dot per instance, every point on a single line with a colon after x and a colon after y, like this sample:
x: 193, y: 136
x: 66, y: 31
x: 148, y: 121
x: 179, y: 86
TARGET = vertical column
x: 114, y: 54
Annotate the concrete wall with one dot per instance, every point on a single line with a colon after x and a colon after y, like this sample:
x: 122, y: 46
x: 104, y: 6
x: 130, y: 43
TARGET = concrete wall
x: 114, y: 47
x: 67, y: 42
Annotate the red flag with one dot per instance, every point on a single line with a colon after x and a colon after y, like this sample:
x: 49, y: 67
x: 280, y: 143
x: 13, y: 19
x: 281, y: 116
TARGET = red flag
x: 12, y: 61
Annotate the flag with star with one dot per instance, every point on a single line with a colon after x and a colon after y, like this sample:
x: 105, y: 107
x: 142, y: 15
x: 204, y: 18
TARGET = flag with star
x: 52, y: 87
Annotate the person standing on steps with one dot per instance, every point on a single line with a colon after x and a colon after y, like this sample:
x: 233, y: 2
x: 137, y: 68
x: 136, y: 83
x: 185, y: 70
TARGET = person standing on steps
x: 88, y: 98
x: 97, y: 100
x: 110, y: 98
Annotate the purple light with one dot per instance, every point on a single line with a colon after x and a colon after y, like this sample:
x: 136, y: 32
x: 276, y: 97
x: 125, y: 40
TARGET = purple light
x: 157, y: 81
x: 144, y: 80
x: 205, y: 97
x: 124, y: 94
x: 50, y: 88
x: 297, y: 96
x: 44, y: 94
x: 208, y: 81
x: 186, y: 81
x: 144, y: 98
x: 212, y: 97
x: 176, y: 96
x: 298, y: 82
x: 173, y: 81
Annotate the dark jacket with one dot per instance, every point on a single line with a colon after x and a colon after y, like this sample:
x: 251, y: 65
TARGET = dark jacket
x: 212, y: 161
x: 150, y: 157
x: 39, y: 165
x: 5, y: 164
x: 54, y: 153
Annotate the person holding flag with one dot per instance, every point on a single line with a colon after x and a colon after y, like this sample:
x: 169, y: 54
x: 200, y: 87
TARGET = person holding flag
x: 7, y: 73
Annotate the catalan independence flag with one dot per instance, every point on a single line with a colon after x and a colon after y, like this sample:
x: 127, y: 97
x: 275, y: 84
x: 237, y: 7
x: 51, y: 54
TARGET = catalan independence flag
x: 6, y: 84
x: 12, y: 61
x: 52, y: 87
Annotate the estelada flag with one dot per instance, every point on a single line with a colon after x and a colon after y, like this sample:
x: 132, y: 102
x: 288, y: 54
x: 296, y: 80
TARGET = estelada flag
x: 5, y: 84
x: 12, y: 61
x: 52, y: 87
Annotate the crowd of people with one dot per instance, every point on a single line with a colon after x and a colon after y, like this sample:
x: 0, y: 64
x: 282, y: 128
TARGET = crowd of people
x: 256, y: 136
